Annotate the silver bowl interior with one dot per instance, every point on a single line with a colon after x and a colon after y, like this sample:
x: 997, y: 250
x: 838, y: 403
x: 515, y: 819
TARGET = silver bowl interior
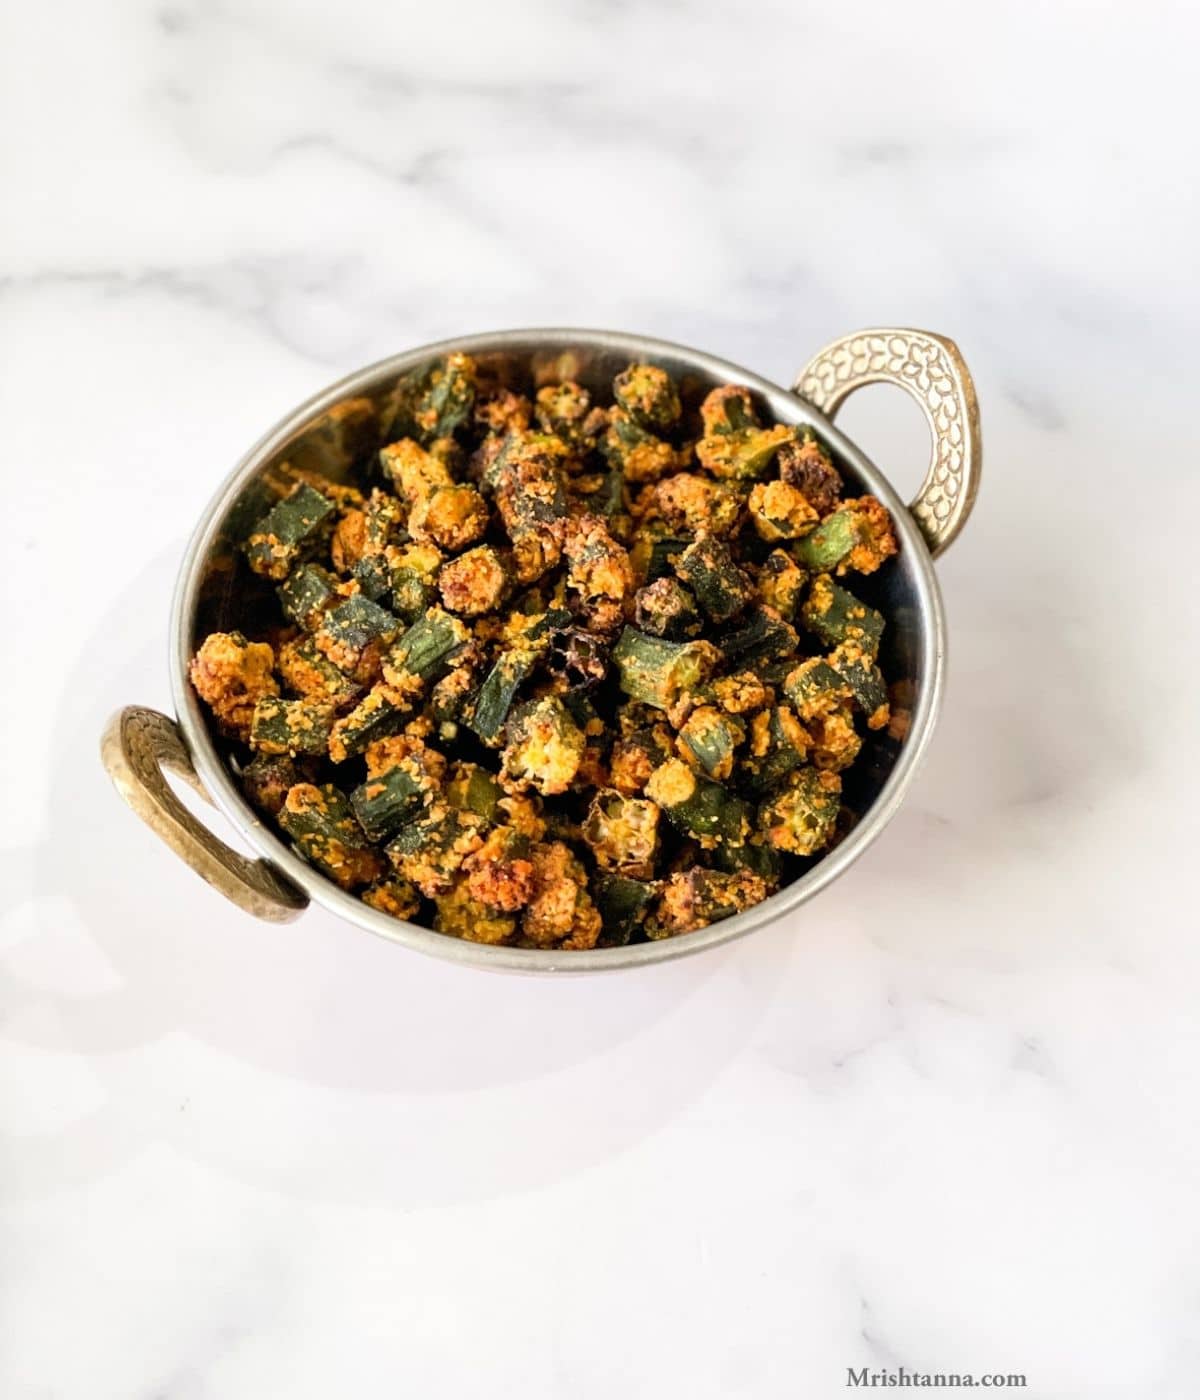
x: 337, y: 429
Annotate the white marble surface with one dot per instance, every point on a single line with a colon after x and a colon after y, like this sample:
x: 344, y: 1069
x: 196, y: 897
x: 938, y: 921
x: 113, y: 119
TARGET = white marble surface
x: 944, y: 1118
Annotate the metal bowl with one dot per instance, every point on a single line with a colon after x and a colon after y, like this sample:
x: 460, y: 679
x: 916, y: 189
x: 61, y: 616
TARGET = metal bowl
x: 214, y: 588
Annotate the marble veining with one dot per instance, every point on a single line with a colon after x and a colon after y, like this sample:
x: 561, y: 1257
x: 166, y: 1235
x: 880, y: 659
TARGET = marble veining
x: 945, y: 1116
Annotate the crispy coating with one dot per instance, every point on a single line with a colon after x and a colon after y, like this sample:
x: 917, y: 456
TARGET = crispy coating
x: 805, y: 465
x: 451, y: 516
x: 500, y: 873
x: 690, y: 504
x: 695, y: 898
x: 544, y: 747
x: 477, y: 582
x: 231, y: 675
x: 395, y: 896
x: 560, y: 912
x: 780, y: 511
x: 598, y: 572
x: 325, y: 830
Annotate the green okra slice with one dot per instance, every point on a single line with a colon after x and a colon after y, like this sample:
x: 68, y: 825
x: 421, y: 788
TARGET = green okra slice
x: 799, y: 820
x: 499, y: 689
x: 779, y: 744
x: 433, y: 402
x: 430, y: 849
x: 305, y: 594
x: 321, y: 823
x: 648, y: 394
x: 566, y: 411
x: 295, y: 526
x: 780, y: 583
x: 622, y: 833
x: 665, y: 608
x: 709, y: 740
x: 543, y: 746
x: 721, y: 587
x: 426, y: 648
x: 762, y: 636
x: 290, y: 726
x: 694, y: 898
x: 314, y: 677
x: 386, y: 801
x: 835, y: 615
x: 653, y: 556
x: 622, y: 903
x: 858, y: 535
x: 734, y: 445
x: 473, y: 789
x: 864, y: 681
x: 637, y: 454
x: 414, y: 579
x: 658, y: 672
x: 380, y: 714
x: 814, y: 687
x: 347, y: 630
x: 762, y: 860
x: 698, y: 807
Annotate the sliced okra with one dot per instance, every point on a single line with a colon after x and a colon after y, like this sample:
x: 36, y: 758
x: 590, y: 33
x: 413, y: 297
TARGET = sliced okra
x: 430, y: 849
x: 709, y: 740
x: 697, y: 806
x: 693, y: 899
x: 473, y: 789
x: 754, y: 855
x: 863, y: 679
x: 490, y: 710
x: 734, y: 445
x: 778, y: 745
x: 543, y: 746
x: 477, y: 582
x: 657, y: 671
x: 780, y: 511
x: 380, y: 714
x: 799, y: 820
x: 426, y: 648
x: 267, y: 779
x: 305, y: 594
x: 414, y: 578
x: 321, y: 823
x: 393, y: 895
x: 762, y: 636
x: 649, y: 396
x: 622, y: 833
x: 433, y: 402
x: 637, y: 454
x: 721, y: 587
x: 384, y: 803
x: 349, y: 630
x: 835, y: 615
x: 814, y: 686
x: 566, y: 411
x: 858, y: 535
x: 804, y: 464
x: 290, y: 726
x: 780, y: 582
x: 654, y: 556
x: 314, y: 677
x: 292, y: 528
x: 622, y: 903
x: 665, y: 608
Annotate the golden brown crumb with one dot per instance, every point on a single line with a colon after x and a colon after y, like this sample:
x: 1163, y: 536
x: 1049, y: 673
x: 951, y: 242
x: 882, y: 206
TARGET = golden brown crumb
x: 231, y: 675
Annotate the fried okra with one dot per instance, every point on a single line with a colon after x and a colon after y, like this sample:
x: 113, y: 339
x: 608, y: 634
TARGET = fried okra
x: 556, y: 664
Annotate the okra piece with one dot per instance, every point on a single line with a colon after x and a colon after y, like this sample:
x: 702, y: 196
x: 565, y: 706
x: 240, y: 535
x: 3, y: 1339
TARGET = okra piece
x: 778, y: 746
x: 436, y: 400
x: 477, y: 582
x: 231, y: 674
x: 693, y: 899
x: 636, y: 755
x: 305, y: 594
x: 453, y: 517
x: 314, y: 677
x: 763, y: 636
x: 835, y: 615
x: 622, y: 903
x: 395, y: 896
x: 566, y: 411
x: 290, y: 726
x: 709, y: 740
x: 430, y: 850
x: 321, y: 823
x: 622, y: 833
x: 721, y: 588
x: 385, y: 803
x: 762, y: 860
x: 804, y: 464
x: 293, y: 527
x: 461, y: 915
x: 353, y: 634
x: 654, y: 556
x: 800, y: 819
x: 734, y: 446
x: 499, y: 689
x: 414, y: 578
x: 637, y: 454
x: 267, y: 780
x: 426, y: 648
x: 579, y: 657
x: 835, y: 741
x: 656, y: 671
x: 780, y: 511
x: 649, y: 396
x: 698, y: 807
x: 665, y: 608
x: 780, y: 582
x: 473, y: 789
x: 543, y: 746
x: 382, y: 713
x: 814, y: 687
x: 858, y: 535
x: 864, y: 680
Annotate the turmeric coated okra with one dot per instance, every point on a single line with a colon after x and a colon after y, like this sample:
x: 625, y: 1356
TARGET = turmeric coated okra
x: 557, y: 671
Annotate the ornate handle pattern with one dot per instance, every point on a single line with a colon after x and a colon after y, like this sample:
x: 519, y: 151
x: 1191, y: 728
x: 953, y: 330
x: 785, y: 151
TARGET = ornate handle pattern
x: 137, y: 745
x: 929, y: 368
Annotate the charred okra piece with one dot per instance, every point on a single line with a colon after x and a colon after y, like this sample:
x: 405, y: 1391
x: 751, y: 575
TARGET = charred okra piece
x: 863, y: 679
x: 636, y: 755
x: 267, y: 779
x: 780, y: 511
x: 658, y: 672
x: 858, y: 535
x: 709, y: 740
x: 380, y: 714
x: 708, y: 568
x: 654, y: 556
x: 665, y: 608
x: 804, y: 464
x: 734, y: 445
x: 780, y: 583
x: 649, y: 396
x: 425, y: 649
x: 622, y: 903
x: 543, y: 746
x: 800, y: 819
x: 295, y: 526
x: 319, y: 820
x: 354, y: 634
x: 778, y: 745
x: 698, y: 807
x: 430, y: 850
x: 762, y: 637
x: 451, y: 516
x: 622, y: 833
x: 290, y: 726
x: 693, y: 899
x: 835, y: 615
x: 435, y: 401
x: 306, y: 593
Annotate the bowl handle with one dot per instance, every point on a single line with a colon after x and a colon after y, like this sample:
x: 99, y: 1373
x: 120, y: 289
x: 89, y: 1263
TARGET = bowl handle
x: 137, y: 745
x: 931, y: 369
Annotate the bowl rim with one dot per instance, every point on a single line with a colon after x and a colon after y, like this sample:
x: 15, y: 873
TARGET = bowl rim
x: 788, y: 407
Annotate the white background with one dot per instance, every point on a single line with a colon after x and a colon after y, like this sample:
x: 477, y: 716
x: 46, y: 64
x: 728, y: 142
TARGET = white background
x: 946, y: 1116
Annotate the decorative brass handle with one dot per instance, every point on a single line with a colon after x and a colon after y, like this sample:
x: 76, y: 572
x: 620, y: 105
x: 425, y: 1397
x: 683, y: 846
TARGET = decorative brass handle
x: 137, y: 745
x: 931, y: 369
